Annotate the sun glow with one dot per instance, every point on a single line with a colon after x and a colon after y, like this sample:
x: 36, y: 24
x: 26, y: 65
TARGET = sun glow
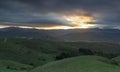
x: 80, y: 21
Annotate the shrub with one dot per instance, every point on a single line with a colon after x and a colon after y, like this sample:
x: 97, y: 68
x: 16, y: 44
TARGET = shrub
x: 65, y: 55
x: 8, y: 67
x: 85, y: 51
x: 31, y: 64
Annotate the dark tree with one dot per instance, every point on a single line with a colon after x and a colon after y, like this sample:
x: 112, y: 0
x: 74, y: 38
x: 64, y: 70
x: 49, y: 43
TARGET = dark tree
x: 65, y: 55
x: 107, y: 55
x: 8, y: 67
x: 23, y: 68
x: 31, y: 64
x: 61, y: 56
x: 85, y: 51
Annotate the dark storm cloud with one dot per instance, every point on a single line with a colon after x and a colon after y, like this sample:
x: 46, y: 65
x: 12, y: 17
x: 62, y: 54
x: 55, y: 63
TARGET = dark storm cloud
x: 65, y: 5
x: 23, y: 11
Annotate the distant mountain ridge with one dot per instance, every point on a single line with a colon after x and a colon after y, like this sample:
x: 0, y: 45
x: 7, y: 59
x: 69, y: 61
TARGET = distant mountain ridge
x: 12, y: 32
x: 96, y: 34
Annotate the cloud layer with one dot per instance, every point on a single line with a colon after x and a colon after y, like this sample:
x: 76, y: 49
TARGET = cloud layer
x: 49, y: 12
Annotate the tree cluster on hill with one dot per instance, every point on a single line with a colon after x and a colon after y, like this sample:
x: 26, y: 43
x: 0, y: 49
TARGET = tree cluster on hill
x: 83, y: 51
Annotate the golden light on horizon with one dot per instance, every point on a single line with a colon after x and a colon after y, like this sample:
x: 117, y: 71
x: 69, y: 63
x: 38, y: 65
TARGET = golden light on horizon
x: 52, y: 27
x: 3, y: 26
x: 59, y: 27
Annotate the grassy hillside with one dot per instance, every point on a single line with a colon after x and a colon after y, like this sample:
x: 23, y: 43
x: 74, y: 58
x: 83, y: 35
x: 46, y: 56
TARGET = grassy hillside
x: 79, y: 64
x: 36, y: 52
x: 31, y: 51
x: 12, y: 66
x: 15, y: 52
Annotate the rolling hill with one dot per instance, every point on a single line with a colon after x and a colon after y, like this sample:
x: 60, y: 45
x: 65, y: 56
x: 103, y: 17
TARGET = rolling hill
x: 38, y: 52
x: 23, y: 53
x: 79, y: 64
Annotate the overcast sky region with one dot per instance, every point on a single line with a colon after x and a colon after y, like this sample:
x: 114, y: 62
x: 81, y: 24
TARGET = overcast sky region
x: 42, y: 13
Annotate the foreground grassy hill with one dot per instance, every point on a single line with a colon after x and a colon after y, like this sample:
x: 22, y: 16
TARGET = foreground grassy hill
x: 26, y: 54
x: 79, y: 64
x: 37, y: 52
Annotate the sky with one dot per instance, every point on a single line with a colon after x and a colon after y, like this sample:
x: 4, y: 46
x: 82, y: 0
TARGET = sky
x: 60, y: 14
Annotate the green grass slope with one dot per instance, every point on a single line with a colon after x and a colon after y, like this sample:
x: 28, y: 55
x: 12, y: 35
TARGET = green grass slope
x: 10, y: 50
x: 79, y: 64
x: 12, y: 66
x: 36, y: 52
